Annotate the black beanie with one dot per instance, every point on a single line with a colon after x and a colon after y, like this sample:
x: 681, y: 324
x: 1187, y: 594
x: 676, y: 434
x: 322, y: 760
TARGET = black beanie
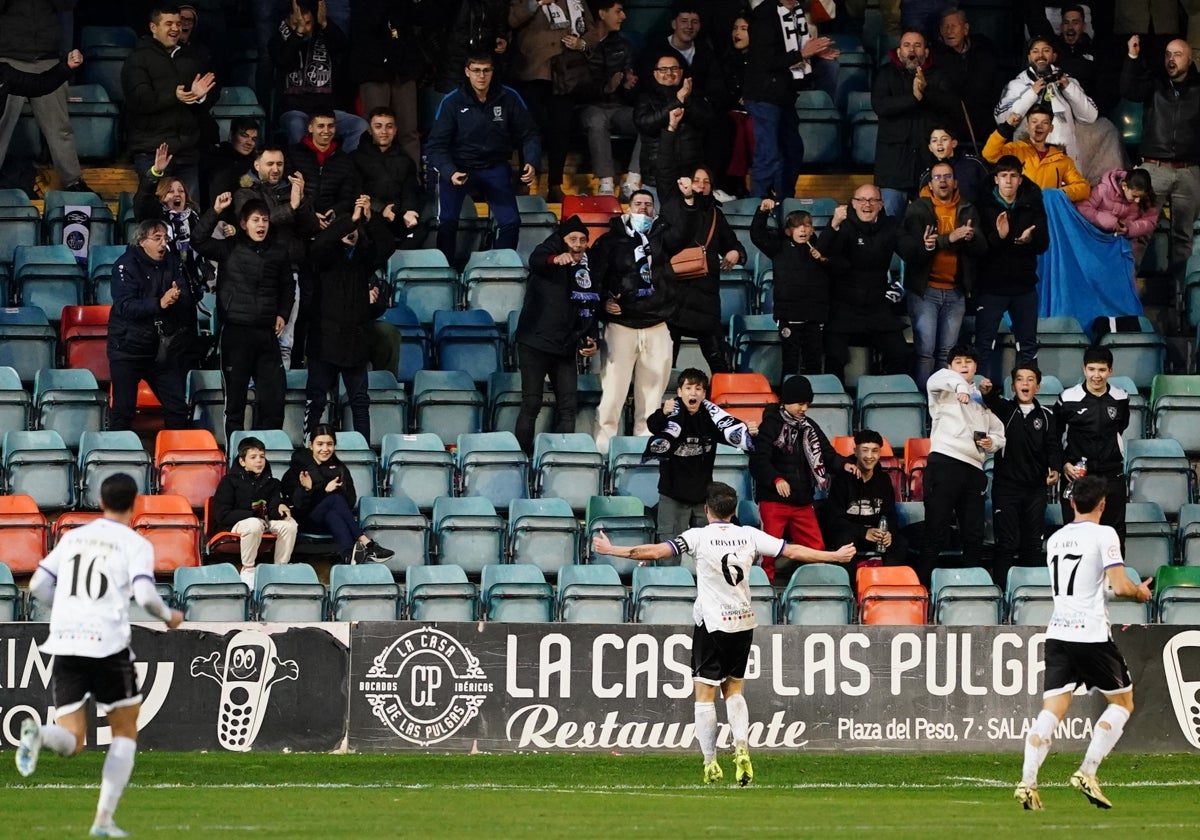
x: 796, y: 389
x: 573, y: 225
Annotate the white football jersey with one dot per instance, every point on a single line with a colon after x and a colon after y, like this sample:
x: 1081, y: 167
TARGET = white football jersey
x: 94, y: 568
x: 1078, y: 555
x: 724, y: 553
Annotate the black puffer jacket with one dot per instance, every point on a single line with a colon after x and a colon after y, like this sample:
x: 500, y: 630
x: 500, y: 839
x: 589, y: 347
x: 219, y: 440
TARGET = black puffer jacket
x: 1171, y: 126
x: 378, y: 56
x: 615, y: 270
x: 237, y: 492
x: 773, y: 458
x: 254, y: 280
x: 292, y: 227
x: 138, y: 284
x: 901, y: 147
x: 681, y: 225
x: 860, y: 255
x: 303, y: 501
x: 30, y: 30
x: 551, y: 320
x: 390, y: 177
x: 341, y: 306
x: 651, y: 115
x: 1011, y: 268
x: 801, y: 290
x: 332, y: 185
x: 153, y: 114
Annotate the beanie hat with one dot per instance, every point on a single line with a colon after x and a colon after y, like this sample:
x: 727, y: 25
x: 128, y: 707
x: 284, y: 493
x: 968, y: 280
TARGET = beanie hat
x: 796, y: 389
x: 573, y: 225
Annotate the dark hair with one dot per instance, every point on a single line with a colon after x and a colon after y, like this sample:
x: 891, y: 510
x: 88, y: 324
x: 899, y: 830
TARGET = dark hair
x: 239, y: 125
x: 794, y: 219
x: 912, y: 30
x: 1072, y: 7
x: 1041, y: 108
x: 248, y: 443
x: 1139, y: 179
x: 940, y: 127
x: 1040, y: 39
x: 118, y: 492
x: 641, y: 191
x: 323, y: 429
x: 381, y: 111
x: 686, y: 8
x: 145, y: 228
x: 944, y: 163
x: 603, y: 5
x: 270, y: 147
x: 721, y: 500
x: 160, y: 9
x: 309, y: 7
x: 1008, y: 163
x: 693, y: 375
x: 867, y: 436
x: 1029, y: 366
x: 1087, y: 492
x: 324, y: 113
x: 254, y: 205
x: 1097, y: 356
x: 962, y: 350
x: 479, y: 58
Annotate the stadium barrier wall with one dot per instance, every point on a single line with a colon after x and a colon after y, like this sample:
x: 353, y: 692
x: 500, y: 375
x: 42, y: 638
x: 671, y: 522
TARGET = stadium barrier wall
x: 382, y: 687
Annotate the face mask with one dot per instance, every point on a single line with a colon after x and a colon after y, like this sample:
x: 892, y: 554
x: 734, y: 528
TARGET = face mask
x: 640, y: 222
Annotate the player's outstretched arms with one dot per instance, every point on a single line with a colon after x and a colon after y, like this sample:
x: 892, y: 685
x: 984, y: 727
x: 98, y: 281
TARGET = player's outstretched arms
x: 1123, y: 587
x: 804, y: 554
x: 641, y: 553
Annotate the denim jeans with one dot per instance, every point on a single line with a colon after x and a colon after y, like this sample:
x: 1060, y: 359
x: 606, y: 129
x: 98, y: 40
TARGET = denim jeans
x: 936, y: 321
x: 895, y: 202
x: 778, y: 150
x: 1022, y: 312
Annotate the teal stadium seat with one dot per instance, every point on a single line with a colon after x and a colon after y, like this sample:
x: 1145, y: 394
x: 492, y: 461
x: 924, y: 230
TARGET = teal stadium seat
x: 625, y: 521
x: 663, y: 595
x: 363, y: 593
x: 418, y: 467
x: 446, y: 403
x: 40, y: 465
x: 892, y: 406
x: 69, y: 402
x: 965, y: 597
x: 517, y: 593
x: 288, y: 592
x: 15, y: 401
x: 543, y: 532
x: 567, y: 466
x: 819, y: 594
x: 48, y: 277
x: 1030, y: 599
x: 95, y: 119
x: 591, y: 595
x: 504, y: 404
x: 388, y: 406
x: 468, y: 533
x: 424, y: 281
x: 397, y: 524
x: 494, y: 281
x: 492, y: 465
x: 102, y: 454
x: 212, y: 593
x: 439, y: 593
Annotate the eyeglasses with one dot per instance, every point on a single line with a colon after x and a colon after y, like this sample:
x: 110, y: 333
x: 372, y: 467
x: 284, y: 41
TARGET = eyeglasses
x: 481, y: 71
x: 862, y: 200
x: 944, y: 176
x: 668, y: 69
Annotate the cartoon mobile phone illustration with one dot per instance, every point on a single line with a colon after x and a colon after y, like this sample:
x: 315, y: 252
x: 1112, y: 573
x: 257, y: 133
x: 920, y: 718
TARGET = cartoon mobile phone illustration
x: 1181, y: 662
x: 251, y: 667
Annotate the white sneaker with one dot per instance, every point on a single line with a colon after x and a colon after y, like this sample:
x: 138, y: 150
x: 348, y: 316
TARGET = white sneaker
x: 722, y: 196
x: 631, y: 183
x: 29, y: 747
x: 247, y: 574
x: 109, y: 830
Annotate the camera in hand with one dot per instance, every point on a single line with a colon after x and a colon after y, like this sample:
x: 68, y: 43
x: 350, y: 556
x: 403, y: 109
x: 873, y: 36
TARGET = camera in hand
x: 1051, y: 75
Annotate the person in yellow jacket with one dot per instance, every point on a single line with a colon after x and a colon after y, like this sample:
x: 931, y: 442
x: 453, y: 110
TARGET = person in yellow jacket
x: 1043, y: 163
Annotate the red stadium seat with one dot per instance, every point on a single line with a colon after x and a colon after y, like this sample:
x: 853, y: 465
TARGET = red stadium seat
x: 891, y: 595
x: 168, y: 523
x: 84, y: 339
x: 739, y: 383
x: 70, y: 519
x: 23, y: 533
x: 189, y: 463
x: 916, y: 456
x: 595, y: 211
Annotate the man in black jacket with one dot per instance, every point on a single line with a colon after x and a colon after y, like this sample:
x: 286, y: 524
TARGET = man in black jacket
x: 474, y: 134
x: 330, y: 180
x: 781, y: 53
x: 859, y: 244
x: 1029, y: 463
x: 1013, y: 221
x: 971, y: 64
x: 152, y: 301
x: 255, y: 291
x: 557, y: 322
x: 1170, y: 144
x: 390, y: 175
x: 166, y: 89
x: 667, y: 92
x: 345, y: 257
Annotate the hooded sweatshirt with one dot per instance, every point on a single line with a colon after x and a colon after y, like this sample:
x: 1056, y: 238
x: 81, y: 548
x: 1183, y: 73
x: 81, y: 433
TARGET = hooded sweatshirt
x: 955, y: 424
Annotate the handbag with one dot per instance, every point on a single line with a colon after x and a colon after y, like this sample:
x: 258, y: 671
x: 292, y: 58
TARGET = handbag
x: 171, y: 346
x: 569, y: 72
x: 692, y: 262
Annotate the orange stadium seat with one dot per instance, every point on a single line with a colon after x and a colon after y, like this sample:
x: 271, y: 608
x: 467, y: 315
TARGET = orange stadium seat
x: 916, y: 456
x: 23, y: 533
x: 67, y: 520
x: 227, y: 544
x: 168, y: 523
x: 188, y: 462
x: 891, y: 595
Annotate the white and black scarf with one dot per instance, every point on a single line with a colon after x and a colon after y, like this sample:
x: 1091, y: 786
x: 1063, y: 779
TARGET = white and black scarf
x: 558, y: 18
x: 800, y: 432
x: 583, y: 292
x: 794, y: 25
x: 642, y: 259
x: 735, y: 431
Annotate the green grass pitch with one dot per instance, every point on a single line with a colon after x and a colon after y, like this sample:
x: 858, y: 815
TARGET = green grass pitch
x: 602, y: 796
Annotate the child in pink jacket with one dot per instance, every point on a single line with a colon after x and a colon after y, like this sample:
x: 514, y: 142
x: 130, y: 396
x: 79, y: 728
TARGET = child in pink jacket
x: 1123, y: 204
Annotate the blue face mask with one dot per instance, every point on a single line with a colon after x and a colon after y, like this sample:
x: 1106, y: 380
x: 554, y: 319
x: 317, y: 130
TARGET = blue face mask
x: 640, y: 222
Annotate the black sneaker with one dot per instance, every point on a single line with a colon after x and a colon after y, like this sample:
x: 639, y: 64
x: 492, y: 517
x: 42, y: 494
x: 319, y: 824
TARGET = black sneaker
x: 78, y: 186
x: 357, y: 554
x: 377, y: 553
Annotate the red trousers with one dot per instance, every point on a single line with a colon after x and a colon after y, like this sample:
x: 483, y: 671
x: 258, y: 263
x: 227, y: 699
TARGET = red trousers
x: 792, y: 523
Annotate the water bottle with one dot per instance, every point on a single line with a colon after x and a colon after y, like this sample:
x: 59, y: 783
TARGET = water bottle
x: 880, y: 546
x: 1081, y: 468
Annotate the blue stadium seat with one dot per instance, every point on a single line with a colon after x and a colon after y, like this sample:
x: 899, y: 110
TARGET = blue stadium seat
x: 102, y: 454
x: 363, y: 593
x: 105, y: 49
x: 95, y: 119
x: 212, y: 593
x: 1139, y: 408
x: 99, y: 271
x: 569, y: 467
x: 965, y: 597
x: 396, y: 523
x: 515, y: 592
x: 543, y: 532
x: 1189, y: 533
x: 625, y: 521
x: 755, y: 340
x: 446, y: 403
x: 415, y: 347
x: 417, y: 467
x: 831, y: 408
x: 468, y: 341
x: 1061, y: 342
x: 591, y: 595
x: 10, y: 596
x: 40, y: 465
x: 47, y: 276
x: 439, y: 593
x: 820, y: 127
x: 892, y: 406
x: 628, y: 474
x: 818, y: 594
x: 69, y: 402
x: 494, y: 281
x: 663, y: 595
x: 20, y: 226
x: 288, y: 592
x: 491, y: 465
x: 468, y: 533
x: 1127, y: 610
x: 424, y: 281
x: 206, y: 398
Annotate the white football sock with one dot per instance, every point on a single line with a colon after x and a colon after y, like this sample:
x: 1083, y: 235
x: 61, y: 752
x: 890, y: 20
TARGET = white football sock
x: 58, y: 740
x: 739, y: 718
x: 1037, y: 745
x: 706, y: 730
x: 118, y: 765
x: 1108, y: 731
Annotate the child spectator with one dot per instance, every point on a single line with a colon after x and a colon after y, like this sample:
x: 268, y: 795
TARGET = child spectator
x: 249, y: 501
x: 857, y: 503
x: 801, y: 287
x: 1123, y: 204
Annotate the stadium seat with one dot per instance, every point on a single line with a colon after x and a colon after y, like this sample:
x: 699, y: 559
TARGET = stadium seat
x: 105, y: 50
x: 187, y: 462
x: 755, y: 341
x: 892, y: 406
x: 891, y: 595
x: 591, y: 595
x: 69, y: 402
x: 628, y: 474
x: 1127, y: 610
x: 15, y: 401
x: 732, y: 466
x: 415, y: 348
x: 279, y: 447
x: 24, y: 531
x: 625, y: 521
x: 363, y: 593
x: 494, y: 281
x: 170, y: 525
x: 1175, y: 407
x: 543, y: 532
x: 212, y: 593
x: 206, y: 397
x: 1061, y: 342
x: 864, y: 128
x: 138, y: 613
x: 397, y: 524
x: 468, y: 533
x: 468, y: 341
x: 234, y: 102
x: 219, y: 543
x: 46, y: 276
x: 388, y: 406
x: 1138, y: 355
x: 818, y: 594
x: 738, y: 292
x: 26, y: 341
x: 417, y: 467
x: 587, y: 403
x: 99, y: 272
x: 1189, y: 532
x: 1030, y: 599
x: 762, y: 596
x: 663, y: 595
x: 595, y: 211
x: 10, y: 595
x: 965, y: 597
x: 1177, y: 594
x: 1139, y: 408
x: 1149, y: 538
x: 447, y: 404
x: 20, y: 227
x: 1159, y: 471
x: 537, y: 222
x: 424, y: 281
x: 361, y: 462
x: 515, y: 592
x: 288, y: 592
x: 83, y: 338
x: 492, y: 465
x: 831, y: 408
x: 744, y: 395
x: 40, y: 465
x: 102, y: 454
x: 295, y: 401
x: 916, y: 457
x: 567, y: 466
x: 69, y: 520
x: 504, y: 404
x: 820, y: 127
x: 439, y: 593
x: 95, y: 119
x: 740, y: 212
x: 100, y: 226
